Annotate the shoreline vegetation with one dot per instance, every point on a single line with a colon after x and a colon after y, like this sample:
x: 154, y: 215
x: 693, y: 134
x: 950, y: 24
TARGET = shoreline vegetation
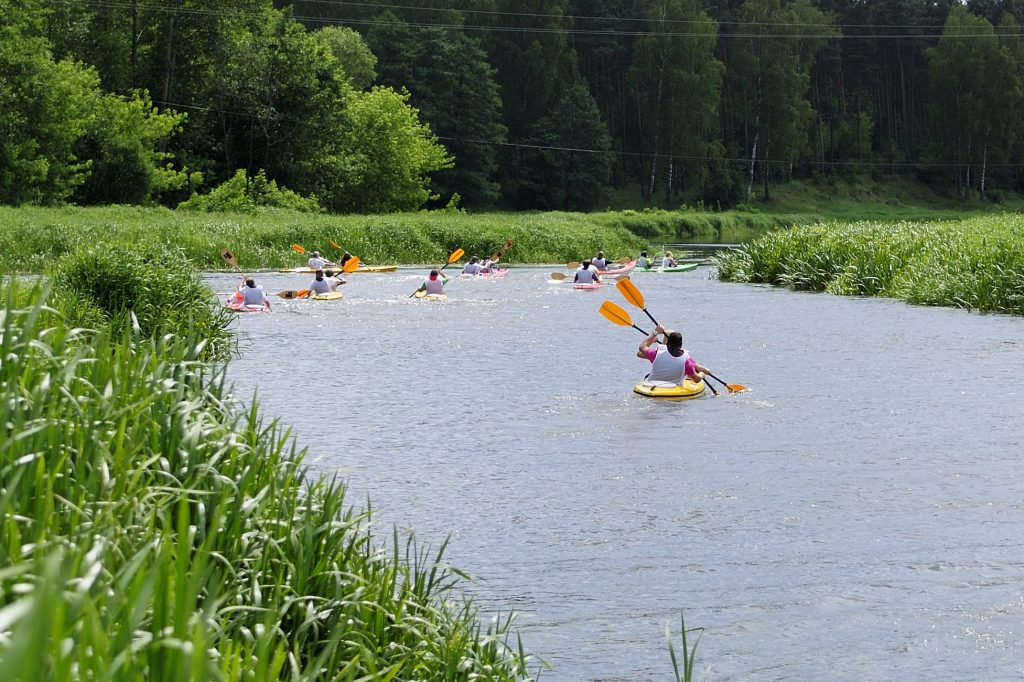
x: 153, y: 528
x: 976, y: 264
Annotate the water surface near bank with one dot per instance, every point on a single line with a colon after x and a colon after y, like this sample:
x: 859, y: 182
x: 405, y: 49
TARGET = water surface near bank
x: 856, y: 516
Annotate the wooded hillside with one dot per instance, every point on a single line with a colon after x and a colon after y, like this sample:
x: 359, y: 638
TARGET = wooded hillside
x: 548, y: 104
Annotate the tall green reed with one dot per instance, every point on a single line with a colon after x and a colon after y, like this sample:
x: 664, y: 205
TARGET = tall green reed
x: 151, y: 530
x: 975, y: 264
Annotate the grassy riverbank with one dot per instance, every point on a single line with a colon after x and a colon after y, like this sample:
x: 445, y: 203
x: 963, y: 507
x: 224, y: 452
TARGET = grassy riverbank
x: 150, y: 529
x: 976, y: 263
x: 31, y: 238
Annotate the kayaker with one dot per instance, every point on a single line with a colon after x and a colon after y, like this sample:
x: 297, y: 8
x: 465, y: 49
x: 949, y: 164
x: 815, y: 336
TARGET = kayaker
x: 252, y: 294
x: 434, y: 284
x: 600, y: 262
x: 319, y: 285
x: 587, y: 274
x: 668, y: 261
x: 345, y: 257
x: 334, y: 280
x: 670, y: 363
x: 472, y: 267
x: 642, y: 262
x: 488, y: 266
x: 316, y: 262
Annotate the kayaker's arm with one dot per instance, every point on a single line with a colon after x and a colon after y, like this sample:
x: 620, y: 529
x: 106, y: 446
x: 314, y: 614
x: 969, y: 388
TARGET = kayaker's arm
x: 651, y: 339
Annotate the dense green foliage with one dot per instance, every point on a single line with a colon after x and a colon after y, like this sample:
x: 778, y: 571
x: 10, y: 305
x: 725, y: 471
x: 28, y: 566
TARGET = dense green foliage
x: 976, y: 264
x: 150, y: 529
x: 551, y: 106
x: 244, y: 194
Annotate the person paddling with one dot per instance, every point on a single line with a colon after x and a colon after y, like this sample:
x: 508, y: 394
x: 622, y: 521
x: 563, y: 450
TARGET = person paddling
x: 472, y: 267
x: 252, y: 294
x: 434, y: 286
x: 643, y: 262
x: 587, y: 274
x: 670, y: 363
x: 601, y: 263
x: 334, y: 280
x: 668, y: 261
x: 316, y: 262
x: 319, y: 285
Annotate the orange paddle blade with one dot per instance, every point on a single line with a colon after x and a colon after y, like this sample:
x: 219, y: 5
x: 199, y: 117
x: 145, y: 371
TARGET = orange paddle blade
x: 616, y: 314
x: 302, y: 293
x: 299, y: 249
x: 456, y: 255
x: 631, y: 293
x: 736, y: 388
x: 335, y: 244
x: 351, y: 265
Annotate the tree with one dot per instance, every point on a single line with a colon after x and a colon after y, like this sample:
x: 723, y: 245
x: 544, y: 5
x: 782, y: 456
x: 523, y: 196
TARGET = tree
x: 44, y: 108
x: 676, y: 81
x: 975, y: 91
x: 570, y: 170
x: 382, y: 159
x: 353, y: 55
x: 771, y: 75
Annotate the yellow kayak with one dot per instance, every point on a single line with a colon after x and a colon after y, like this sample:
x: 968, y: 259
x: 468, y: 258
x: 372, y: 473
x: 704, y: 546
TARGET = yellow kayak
x: 662, y: 389
x: 431, y: 297
x: 332, y: 296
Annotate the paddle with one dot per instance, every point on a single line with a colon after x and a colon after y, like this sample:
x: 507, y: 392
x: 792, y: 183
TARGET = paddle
x: 351, y: 265
x: 560, y: 276
x: 456, y: 255
x: 501, y: 251
x: 229, y: 258
x: 633, y: 295
x: 619, y: 316
x: 733, y: 388
x: 573, y: 265
x: 338, y: 247
x: 298, y: 249
x: 625, y: 260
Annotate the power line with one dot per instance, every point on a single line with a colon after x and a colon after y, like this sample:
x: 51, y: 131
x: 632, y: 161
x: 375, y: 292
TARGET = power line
x: 623, y: 153
x: 112, y: 4
x: 574, y: 17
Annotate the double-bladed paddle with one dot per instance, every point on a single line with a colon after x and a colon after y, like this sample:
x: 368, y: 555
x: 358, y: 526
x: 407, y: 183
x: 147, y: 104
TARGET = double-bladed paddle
x: 456, y: 255
x: 620, y: 317
x: 633, y: 295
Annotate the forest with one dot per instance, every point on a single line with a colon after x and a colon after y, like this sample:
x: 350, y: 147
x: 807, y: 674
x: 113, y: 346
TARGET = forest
x: 374, y: 107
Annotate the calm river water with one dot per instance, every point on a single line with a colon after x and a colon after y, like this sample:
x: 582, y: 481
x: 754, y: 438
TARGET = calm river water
x: 858, y: 515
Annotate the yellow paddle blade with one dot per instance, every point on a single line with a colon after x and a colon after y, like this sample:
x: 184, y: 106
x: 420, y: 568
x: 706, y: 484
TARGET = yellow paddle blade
x: 302, y: 293
x: 558, y: 275
x: 616, y: 314
x: 456, y: 255
x: 351, y: 265
x: 299, y: 249
x: 336, y: 245
x: 631, y: 293
x: 572, y: 265
x: 228, y: 257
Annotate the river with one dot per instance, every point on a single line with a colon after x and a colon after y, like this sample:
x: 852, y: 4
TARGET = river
x: 856, y: 515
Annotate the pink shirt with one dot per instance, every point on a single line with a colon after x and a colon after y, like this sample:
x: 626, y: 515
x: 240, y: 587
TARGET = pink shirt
x: 691, y: 364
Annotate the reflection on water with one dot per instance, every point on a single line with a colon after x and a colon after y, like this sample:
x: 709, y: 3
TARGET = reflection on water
x: 856, y: 516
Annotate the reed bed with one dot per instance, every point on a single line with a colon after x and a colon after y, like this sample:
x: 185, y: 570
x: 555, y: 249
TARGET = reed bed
x: 33, y: 239
x: 152, y: 529
x: 977, y: 264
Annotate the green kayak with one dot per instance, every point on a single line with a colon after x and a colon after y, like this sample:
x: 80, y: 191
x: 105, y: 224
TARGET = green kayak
x: 685, y: 267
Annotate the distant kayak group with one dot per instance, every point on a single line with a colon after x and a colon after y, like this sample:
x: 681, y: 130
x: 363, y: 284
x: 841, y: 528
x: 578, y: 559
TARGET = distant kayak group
x: 674, y: 372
